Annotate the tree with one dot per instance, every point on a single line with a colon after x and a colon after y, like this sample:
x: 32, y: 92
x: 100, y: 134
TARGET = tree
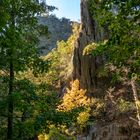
x: 18, y: 38
x: 122, y: 48
x: 60, y: 69
x: 74, y: 98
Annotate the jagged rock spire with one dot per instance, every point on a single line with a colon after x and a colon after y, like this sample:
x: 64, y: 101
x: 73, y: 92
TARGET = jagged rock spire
x: 84, y: 67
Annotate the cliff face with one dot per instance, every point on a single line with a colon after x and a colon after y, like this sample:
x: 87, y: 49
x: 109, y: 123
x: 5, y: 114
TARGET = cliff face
x: 59, y: 29
x: 122, y: 130
x: 85, y: 66
x: 120, y: 127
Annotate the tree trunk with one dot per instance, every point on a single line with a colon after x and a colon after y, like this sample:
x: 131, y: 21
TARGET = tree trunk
x: 10, y: 103
x: 11, y: 76
x: 136, y: 99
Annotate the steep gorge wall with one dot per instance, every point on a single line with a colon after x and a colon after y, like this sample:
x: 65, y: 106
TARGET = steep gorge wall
x: 84, y: 69
x: 85, y: 66
x: 120, y: 130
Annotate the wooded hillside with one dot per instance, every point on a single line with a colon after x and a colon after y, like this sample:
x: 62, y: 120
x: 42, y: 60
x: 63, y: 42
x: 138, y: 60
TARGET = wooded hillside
x: 64, y: 80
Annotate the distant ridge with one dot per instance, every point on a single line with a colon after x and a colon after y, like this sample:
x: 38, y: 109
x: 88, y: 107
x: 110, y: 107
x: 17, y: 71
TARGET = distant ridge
x: 59, y: 29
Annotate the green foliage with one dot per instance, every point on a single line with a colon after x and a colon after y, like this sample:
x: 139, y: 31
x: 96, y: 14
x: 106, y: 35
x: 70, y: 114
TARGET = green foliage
x: 95, y: 49
x: 34, y: 110
x: 56, y: 133
x: 89, y: 49
x: 21, y: 100
x: 83, y: 118
x: 121, y: 21
x: 19, y: 35
x: 76, y: 101
x: 125, y: 106
x: 60, y: 58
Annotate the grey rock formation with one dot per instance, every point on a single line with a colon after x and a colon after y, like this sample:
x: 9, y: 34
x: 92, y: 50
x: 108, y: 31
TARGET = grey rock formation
x: 85, y: 66
x: 125, y: 129
x: 59, y: 29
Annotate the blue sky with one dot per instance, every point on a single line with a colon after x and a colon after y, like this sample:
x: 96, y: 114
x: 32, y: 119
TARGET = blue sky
x: 67, y: 8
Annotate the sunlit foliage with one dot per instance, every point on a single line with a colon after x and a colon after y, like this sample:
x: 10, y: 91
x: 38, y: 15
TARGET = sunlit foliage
x: 74, y: 97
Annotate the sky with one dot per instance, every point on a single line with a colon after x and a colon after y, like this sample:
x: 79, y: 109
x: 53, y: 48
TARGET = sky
x: 67, y: 8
